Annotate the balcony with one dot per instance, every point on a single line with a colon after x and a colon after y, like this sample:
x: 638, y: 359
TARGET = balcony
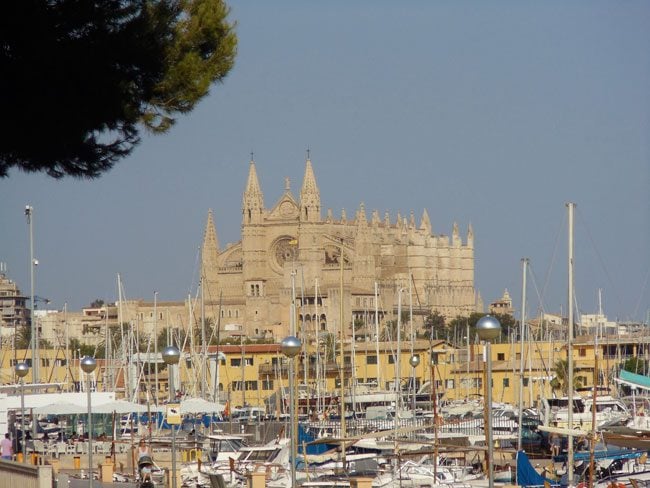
x: 331, y: 369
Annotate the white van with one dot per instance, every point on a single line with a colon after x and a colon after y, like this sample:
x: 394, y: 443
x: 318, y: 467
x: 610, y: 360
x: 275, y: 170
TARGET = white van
x: 249, y: 414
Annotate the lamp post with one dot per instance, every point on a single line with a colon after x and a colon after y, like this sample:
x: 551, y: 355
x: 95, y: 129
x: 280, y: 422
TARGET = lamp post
x: 21, y: 371
x: 290, y: 347
x: 29, y: 213
x: 488, y: 328
x: 413, y: 361
x: 88, y: 365
x: 171, y: 355
x: 434, y: 406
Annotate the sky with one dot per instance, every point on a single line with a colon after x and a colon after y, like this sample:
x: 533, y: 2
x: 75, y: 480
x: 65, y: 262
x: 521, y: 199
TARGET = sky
x: 490, y: 113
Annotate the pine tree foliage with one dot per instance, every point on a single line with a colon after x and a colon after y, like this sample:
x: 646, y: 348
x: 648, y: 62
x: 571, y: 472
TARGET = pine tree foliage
x: 82, y: 78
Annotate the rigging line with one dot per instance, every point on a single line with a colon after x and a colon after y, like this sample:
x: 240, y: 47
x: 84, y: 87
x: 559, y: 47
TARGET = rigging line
x: 195, y: 270
x: 540, y: 298
x: 554, y: 255
x: 583, y: 221
x: 645, y: 284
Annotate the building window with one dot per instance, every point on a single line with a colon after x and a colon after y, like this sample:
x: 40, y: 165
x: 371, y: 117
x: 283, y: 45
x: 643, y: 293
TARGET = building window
x: 236, y: 362
x: 501, y: 356
x: 267, y: 384
x: 582, y: 351
x: 450, y: 384
x: 391, y: 359
x: 525, y: 382
x: 251, y: 385
x: 371, y: 359
x: 506, y: 382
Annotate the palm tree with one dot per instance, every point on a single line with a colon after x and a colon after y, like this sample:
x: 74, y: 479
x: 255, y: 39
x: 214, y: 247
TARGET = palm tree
x: 561, y: 379
x: 23, y: 337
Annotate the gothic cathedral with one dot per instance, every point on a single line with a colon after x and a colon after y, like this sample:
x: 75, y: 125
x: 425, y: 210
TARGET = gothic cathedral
x: 286, y: 273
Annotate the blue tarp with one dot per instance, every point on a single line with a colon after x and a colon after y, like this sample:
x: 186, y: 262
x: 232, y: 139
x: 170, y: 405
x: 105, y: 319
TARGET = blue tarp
x: 526, y: 474
x: 601, y: 454
x: 304, y: 438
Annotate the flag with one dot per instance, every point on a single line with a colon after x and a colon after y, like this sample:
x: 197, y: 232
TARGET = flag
x: 226, y: 409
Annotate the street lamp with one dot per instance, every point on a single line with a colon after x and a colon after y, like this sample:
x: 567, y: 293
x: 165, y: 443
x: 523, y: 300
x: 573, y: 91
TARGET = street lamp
x: 290, y: 347
x: 88, y: 365
x: 21, y: 371
x: 29, y: 213
x: 488, y: 328
x: 434, y: 406
x: 414, y: 361
x: 171, y: 355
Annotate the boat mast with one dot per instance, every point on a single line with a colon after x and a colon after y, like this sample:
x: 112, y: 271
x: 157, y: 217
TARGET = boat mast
x: 204, y: 345
x: 571, y: 207
x: 123, y: 345
x: 398, y: 358
x: 67, y: 345
x: 155, y: 344
x: 341, y: 370
x: 522, y: 332
x: 215, y: 386
x: 303, y: 328
x: 316, y: 338
x: 412, y: 339
x: 353, y: 376
x: 378, y: 366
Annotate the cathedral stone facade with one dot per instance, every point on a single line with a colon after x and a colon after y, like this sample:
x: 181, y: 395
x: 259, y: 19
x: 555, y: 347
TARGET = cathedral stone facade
x: 287, y: 272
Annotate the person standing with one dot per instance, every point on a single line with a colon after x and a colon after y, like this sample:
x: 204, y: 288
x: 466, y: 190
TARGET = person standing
x: 6, y: 448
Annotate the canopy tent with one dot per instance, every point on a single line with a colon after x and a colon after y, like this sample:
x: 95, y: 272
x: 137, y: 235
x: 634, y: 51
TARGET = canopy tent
x: 199, y: 405
x: 60, y: 408
x: 124, y: 406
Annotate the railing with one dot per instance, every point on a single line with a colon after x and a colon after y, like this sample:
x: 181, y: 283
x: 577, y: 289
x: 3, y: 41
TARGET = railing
x: 356, y: 427
x: 25, y: 475
x: 283, y: 369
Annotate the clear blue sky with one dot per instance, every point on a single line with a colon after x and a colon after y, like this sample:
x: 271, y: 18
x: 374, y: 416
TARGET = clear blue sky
x: 495, y: 113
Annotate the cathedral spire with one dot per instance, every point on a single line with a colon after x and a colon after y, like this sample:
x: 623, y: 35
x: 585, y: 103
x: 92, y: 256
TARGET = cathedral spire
x: 470, y: 235
x: 362, y: 220
x: 455, y: 235
x: 425, y: 223
x: 210, y: 249
x: 253, y: 202
x: 309, y: 195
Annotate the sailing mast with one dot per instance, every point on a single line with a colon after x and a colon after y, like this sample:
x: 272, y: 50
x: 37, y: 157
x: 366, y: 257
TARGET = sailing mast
x: 317, y: 338
x: 379, y: 382
x: 398, y: 373
x: 522, y: 332
x: 155, y: 344
x: 571, y: 207
x: 204, y: 345
x: 341, y: 370
x: 67, y: 345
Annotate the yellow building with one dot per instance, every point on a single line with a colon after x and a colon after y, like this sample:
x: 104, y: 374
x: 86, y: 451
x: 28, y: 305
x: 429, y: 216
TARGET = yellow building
x: 252, y: 373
